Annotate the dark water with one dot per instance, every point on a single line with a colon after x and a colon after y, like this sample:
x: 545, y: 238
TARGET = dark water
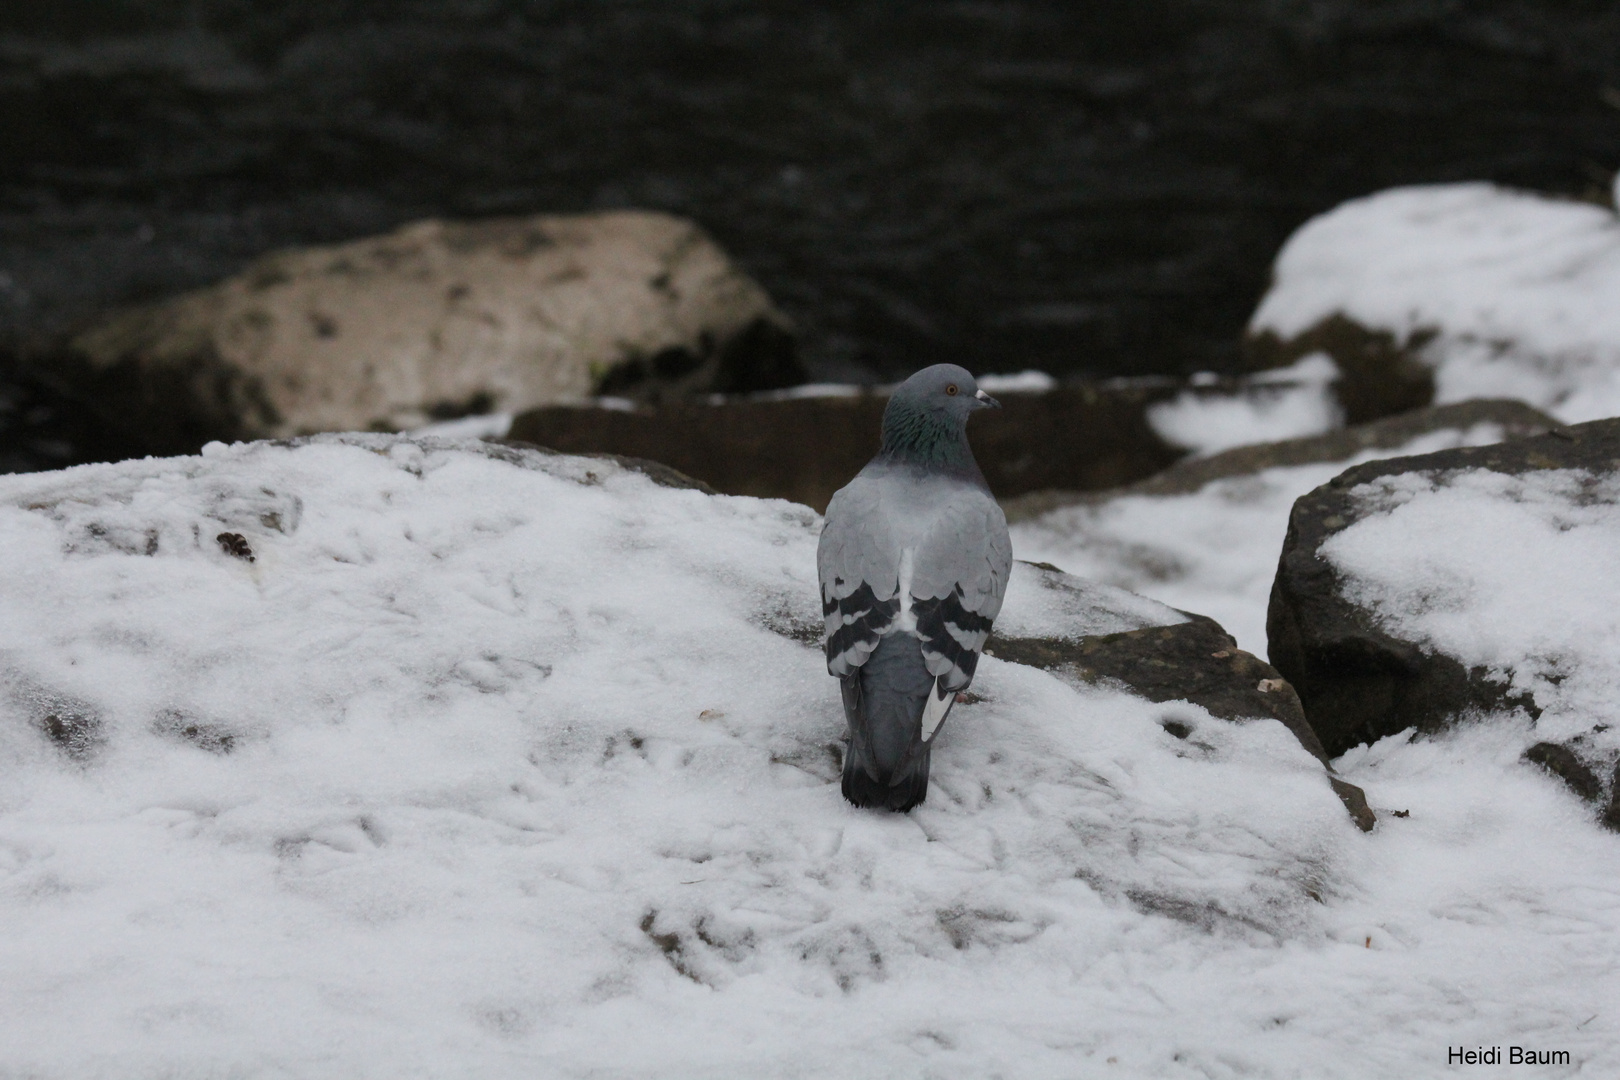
x: 1089, y: 188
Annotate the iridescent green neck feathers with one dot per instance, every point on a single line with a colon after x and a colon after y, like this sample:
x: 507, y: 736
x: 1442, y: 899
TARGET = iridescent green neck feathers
x: 926, y: 437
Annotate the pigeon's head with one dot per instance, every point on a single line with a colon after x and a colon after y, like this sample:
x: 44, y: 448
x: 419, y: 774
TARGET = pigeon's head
x: 926, y: 419
x: 946, y: 389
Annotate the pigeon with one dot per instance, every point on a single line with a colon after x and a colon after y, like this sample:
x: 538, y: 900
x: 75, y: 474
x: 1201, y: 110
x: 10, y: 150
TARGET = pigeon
x: 913, y: 564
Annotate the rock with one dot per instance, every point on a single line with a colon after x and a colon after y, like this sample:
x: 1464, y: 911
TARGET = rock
x: 461, y: 644
x: 1452, y: 291
x: 435, y: 320
x: 1611, y: 815
x: 1035, y: 220
x: 1580, y: 763
x: 1515, y: 419
x: 806, y: 448
x: 1565, y: 764
x: 75, y: 726
x: 1189, y: 660
x: 1392, y: 638
x: 1379, y: 375
x: 1188, y: 475
x: 656, y: 471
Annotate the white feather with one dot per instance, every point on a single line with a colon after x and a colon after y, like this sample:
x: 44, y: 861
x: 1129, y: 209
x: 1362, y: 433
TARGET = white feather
x: 940, y: 701
x: 906, y: 620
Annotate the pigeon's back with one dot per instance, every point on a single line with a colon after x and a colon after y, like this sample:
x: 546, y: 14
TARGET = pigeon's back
x: 913, y: 568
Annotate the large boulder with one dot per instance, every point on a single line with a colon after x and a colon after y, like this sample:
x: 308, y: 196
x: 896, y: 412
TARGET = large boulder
x: 1449, y: 292
x: 1415, y: 591
x: 805, y: 448
x: 435, y: 320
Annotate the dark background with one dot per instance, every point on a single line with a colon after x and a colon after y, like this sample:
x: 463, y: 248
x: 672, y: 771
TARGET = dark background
x: 1089, y: 188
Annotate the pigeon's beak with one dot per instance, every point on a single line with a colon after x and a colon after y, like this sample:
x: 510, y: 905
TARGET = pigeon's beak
x: 986, y: 401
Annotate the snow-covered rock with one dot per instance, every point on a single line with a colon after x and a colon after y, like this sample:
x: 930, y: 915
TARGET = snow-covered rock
x: 1176, y: 657
x: 362, y: 756
x: 1204, y: 534
x: 1498, y: 293
x: 1417, y: 591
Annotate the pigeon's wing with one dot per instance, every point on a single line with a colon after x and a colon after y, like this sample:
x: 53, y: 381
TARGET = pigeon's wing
x: 958, y: 581
x: 858, y: 562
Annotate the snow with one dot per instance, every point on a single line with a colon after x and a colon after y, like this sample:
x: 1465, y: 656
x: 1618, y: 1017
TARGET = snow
x: 1027, y: 382
x: 1045, y: 603
x: 1214, y: 550
x: 1497, y: 898
x: 528, y: 771
x: 482, y: 426
x: 1465, y: 562
x: 1519, y: 290
x: 529, y: 774
x: 500, y: 763
x: 1022, y: 382
x: 795, y: 393
x: 1287, y: 403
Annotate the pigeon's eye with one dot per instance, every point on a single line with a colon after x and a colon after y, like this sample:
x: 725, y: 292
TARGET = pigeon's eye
x: 951, y: 389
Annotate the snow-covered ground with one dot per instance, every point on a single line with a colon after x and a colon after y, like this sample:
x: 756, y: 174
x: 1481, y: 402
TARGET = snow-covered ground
x: 1521, y: 291
x: 502, y: 764
x: 1214, y: 550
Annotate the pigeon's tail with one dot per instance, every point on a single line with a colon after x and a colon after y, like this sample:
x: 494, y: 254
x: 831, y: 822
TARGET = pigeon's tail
x: 887, y: 762
x: 900, y: 792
